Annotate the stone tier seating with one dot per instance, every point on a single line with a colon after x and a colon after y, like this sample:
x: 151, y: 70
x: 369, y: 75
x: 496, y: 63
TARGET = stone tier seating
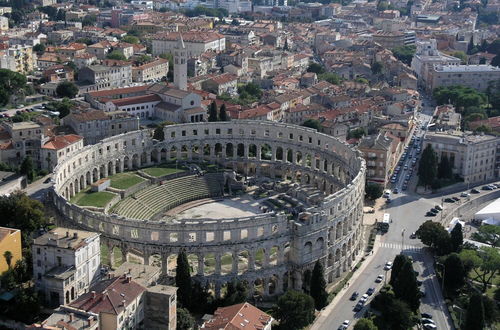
x: 148, y: 202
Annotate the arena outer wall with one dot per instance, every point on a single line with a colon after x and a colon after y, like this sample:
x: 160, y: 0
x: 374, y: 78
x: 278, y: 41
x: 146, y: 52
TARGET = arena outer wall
x: 331, y: 233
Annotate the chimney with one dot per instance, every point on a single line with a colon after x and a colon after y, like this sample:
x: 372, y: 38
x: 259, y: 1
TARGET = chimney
x: 75, y: 235
x: 93, y: 294
x: 89, y: 321
x: 71, y: 317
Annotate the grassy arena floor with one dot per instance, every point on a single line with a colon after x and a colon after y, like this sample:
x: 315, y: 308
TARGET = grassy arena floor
x: 125, y: 180
x: 161, y: 171
x: 97, y: 199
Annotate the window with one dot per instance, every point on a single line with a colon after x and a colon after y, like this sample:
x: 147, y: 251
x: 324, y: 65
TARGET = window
x: 217, y: 131
x: 37, y: 250
x: 59, y: 261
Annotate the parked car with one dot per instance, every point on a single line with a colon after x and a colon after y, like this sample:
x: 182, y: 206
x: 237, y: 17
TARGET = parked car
x: 488, y: 187
x: 426, y: 320
x: 438, y: 207
x: 358, y: 307
x: 464, y: 194
x: 430, y: 326
x: 396, y: 190
x: 388, y: 265
x: 364, y: 298
x: 426, y: 315
x: 455, y: 198
x: 354, y: 296
x: 430, y: 214
x: 344, y: 325
x: 449, y: 200
x: 474, y: 191
x: 433, y: 210
x: 413, y: 235
x: 370, y: 291
x: 379, y: 278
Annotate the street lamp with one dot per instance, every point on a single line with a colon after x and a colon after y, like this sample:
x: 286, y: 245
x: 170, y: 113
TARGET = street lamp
x: 444, y: 273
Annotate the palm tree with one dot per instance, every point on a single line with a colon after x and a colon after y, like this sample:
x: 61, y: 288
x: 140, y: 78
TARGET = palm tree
x: 8, y: 257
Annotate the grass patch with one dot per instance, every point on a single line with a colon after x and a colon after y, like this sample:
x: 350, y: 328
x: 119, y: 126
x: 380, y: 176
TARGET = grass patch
x: 105, y: 256
x: 125, y: 180
x: 161, y: 171
x: 97, y: 199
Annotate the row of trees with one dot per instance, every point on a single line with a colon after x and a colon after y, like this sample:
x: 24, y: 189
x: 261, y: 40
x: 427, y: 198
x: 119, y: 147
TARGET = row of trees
x: 220, y: 116
x: 434, y: 235
x: 430, y: 170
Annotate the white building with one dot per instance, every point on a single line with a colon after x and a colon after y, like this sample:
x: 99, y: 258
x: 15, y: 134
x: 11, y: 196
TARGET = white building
x: 471, y: 156
x: 66, y: 262
x: 196, y: 43
x: 476, y: 76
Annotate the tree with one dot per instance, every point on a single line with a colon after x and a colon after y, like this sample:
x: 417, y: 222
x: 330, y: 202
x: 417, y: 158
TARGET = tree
x: 427, y: 167
x: 474, y: 319
x: 318, y: 286
x: 373, y: 191
x: 455, y: 273
x: 397, y: 265
x: 394, y: 313
x: 445, y: 170
x: 356, y: 133
x: 201, y: 299
x: 491, y: 313
x: 89, y: 20
x: 404, y: 53
x: 457, y: 237
x: 11, y: 83
x: 495, y: 61
x: 365, y: 324
x: 183, y: 279
x: 377, y: 67
x: 27, y: 168
x: 235, y: 22
x: 116, y: 55
x: 405, y: 286
x: 435, y: 236
x: 488, y: 234
x: 330, y: 77
x: 8, y: 258
x: 312, y: 123
x: 484, y: 263
x: 461, y: 55
x: 294, y: 310
x: 316, y: 68
x: 223, y: 113
x: 184, y: 319
x: 63, y: 107
x: 285, y: 46
x: 212, y: 112
x: 67, y: 89
x: 131, y: 39
x: 159, y: 134
x: 39, y: 48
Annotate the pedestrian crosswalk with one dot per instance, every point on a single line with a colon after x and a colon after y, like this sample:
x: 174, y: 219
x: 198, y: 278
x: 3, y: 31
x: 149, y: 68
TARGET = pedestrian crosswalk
x: 396, y: 246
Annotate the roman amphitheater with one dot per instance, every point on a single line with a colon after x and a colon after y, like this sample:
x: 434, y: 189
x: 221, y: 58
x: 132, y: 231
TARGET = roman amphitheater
x: 255, y: 201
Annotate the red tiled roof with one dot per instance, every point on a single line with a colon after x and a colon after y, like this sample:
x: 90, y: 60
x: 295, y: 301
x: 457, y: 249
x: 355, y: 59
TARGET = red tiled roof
x: 116, y: 91
x: 240, y: 316
x: 61, y: 141
x: 136, y: 100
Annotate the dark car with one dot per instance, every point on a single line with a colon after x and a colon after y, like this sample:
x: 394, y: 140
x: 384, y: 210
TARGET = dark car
x: 358, y: 307
x: 419, y: 283
x: 430, y: 214
x: 455, y: 198
x: 474, y: 191
x: 433, y: 210
x: 487, y: 188
x: 370, y: 291
x: 449, y: 200
x: 354, y: 296
x: 426, y: 315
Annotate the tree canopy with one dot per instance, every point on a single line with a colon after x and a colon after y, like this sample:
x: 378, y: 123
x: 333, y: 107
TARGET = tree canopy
x: 183, y: 280
x: 484, y: 264
x: 67, y: 89
x: 365, y: 324
x: 405, y: 286
x: 316, y: 68
x: 318, y: 286
x: 457, y: 237
x: 404, y: 53
x: 312, y: 123
x: 184, y: 319
x: 11, y: 83
x: 116, y: 55
x: 373, y: 190
x: 455, y: 273
x: 474, y: 319
x: 435, y: 236
x: 427, y: 168
x: 294, y: 310
x: 131, y: 39
x: 459, y: 96
x: 488, y: 234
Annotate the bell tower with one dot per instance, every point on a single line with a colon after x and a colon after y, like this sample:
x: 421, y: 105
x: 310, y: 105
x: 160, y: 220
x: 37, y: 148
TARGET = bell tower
x: 180, y: 65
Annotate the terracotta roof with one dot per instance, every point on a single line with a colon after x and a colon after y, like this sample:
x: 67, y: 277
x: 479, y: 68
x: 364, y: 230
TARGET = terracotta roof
x: 240, y: 316
x: 224, y: 78
x: 89, y: 116
x: 117, y: 91
x: 61, y: 141
x: 109, y: 296
x: 193, y: 36
x: 136, y: 100
x: 151, y: 64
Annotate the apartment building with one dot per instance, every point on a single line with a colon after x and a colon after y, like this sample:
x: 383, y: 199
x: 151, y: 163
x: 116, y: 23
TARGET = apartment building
x: 18, y: 58
x: 66, y: 262
x: 58, y: 147
x: 196, y: 43
x: 392, y: 40
x: 99, y: 77
x: 156, y: 69
x: 474, y: 76
x: 95, y: 125
x: 381, y: 154
x: 10, y: 240
x: 471, y: 156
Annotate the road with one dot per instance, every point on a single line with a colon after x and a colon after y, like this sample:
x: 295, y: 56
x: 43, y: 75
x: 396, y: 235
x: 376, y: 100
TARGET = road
x: 39, y: 188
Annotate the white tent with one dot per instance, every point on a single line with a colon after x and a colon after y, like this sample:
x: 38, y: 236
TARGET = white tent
x: 453, y: 223
x: 491, y: 221
x: 491, y: 211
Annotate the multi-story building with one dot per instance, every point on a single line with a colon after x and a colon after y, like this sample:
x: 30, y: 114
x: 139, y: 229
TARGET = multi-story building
x: 474, y: 76
x: 99, y: 77
x: 196, y: 43
x: 239, y: 317
x: 24, y: 139
x: 426, y: 56
x: 66, y: 262
x: 471, y: 156
x: 95, y: 125
x: 10, y: 240
x: 156, y: 69
x: 222, y: 84
x: 18, y: 58
x: 57, y: 148
x: 381, y: 154
x: 392, y: 40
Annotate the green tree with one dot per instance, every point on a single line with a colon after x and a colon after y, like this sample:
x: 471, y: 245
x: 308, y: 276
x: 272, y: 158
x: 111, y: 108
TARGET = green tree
x: 11, y: 83
x: 89, y: 20
x: 285, y: 46
x: 27, y: 168
x: 377, y: 67
x: 223, y: 116
x: 330, y: 77
x: 461, y: 55
x: 39, y: 48
x: 435, y: 236
x: 373, y: 191
x: 201, y: 299
x: 183, y: 280
x: 457, y: 237
x: 397, y: 265
x: 236, y: 292
x: 474, y: 319
x: 8, y: 258
x: 312, y: 123
x: 159, y: 134
x: 394, y: 313
x: 116, y: 55
x: 445, y: 170
x: 484, y: 263
x: 488, y: 234
x: 455, y: 273
x: 406, y: 288
x: 316, y: 68
x: 356, y: 133
x: 131, y: 39
x: 491, y: 313
x: 67, y: 89
x: 294, y: 310
x: 318, y: 286
x: 184, y: 319
x: 404, y: 53
x: 427, y: 168
x: 212, y: 112
x: 365, y: 324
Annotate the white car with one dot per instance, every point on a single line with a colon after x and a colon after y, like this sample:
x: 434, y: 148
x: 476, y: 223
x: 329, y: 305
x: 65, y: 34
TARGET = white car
x: 364, y: 298
x: 464, y: 194
x: 388, y: 265
x: 430, y: 326
x: 379, y: 278
x: 427, y: 321
x: 345, y: 324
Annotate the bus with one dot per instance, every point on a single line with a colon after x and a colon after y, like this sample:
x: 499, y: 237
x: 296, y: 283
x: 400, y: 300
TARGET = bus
x: 384, y: 225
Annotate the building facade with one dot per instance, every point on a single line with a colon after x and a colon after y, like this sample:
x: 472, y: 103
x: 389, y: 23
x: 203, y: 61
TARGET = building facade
x: 10, y: 240
x: 474, y: 76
